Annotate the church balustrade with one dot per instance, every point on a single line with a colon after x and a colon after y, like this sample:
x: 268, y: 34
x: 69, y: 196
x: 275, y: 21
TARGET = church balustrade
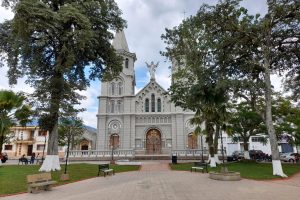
x: 193, y: 152
x: 102, y: 153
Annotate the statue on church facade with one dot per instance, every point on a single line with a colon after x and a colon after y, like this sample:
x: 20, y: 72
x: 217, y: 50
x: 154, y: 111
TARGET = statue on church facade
x: 152, y: 68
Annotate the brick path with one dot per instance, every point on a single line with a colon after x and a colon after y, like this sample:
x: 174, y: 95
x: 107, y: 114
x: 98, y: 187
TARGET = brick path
x: 151, y: 183
x: 151, y: 166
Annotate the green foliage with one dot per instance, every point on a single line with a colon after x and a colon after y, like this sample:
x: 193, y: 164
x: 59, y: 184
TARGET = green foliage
x: 287, y: 119
x: 60, y: 46
x: 201, y: 50
x: 69, y: 129
x: 13, y: 111
x: 248, y: 169
x: 245, y: 122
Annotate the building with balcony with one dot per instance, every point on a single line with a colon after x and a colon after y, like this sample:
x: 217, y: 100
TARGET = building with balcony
x: 31, y: 139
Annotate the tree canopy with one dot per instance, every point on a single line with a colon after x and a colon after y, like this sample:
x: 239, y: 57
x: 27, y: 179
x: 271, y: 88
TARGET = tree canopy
x: 224, y: 50
x: 14, y: 111
x: 59, y: 46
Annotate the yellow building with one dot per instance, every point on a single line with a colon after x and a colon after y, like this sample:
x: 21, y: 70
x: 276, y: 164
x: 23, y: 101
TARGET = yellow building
x: 28, y: 140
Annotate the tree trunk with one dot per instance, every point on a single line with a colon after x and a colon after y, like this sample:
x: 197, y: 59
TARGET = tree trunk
x: 216, y: 144
x: 276, y: 163
x: 246, y: 149
x: 210, y: 134
x: 51, y: 162
x: 53, y: 141
x: 1, y: 142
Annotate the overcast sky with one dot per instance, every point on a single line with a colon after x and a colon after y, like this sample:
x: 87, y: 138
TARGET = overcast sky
x: 146, y: 22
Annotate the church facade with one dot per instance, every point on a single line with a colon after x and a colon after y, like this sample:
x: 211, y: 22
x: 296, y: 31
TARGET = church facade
x: 147, y: 122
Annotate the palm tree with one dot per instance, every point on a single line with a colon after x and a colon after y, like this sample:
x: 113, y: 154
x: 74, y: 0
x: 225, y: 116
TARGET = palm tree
x: 214, y: 117
x: 13, y: 111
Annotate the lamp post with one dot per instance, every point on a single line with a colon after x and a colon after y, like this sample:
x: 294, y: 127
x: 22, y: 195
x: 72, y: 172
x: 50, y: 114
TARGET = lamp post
x: 202, y: 158
x: 222, y: 147
x: 112, y: 154
x: 68, y: 148
x: 44, y: 147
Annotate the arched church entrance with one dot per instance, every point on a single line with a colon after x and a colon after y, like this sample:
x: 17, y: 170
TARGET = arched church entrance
x: 84, y: 145
x: 192, y: 141
x: 114, y: 141
x: 153, y: 141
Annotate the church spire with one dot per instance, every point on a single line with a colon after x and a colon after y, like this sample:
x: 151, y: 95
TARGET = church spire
x: 119, y: 42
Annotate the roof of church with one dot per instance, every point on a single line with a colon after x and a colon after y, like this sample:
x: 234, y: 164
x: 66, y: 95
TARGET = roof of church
x: 163, y: 91
x: 119, y: 42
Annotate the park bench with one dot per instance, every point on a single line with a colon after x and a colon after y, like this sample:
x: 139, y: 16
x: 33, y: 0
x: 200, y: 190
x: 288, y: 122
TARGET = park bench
x: 104, y: 168
x: 199, y: 166
x: 23, y: 160
x: 37, y: 182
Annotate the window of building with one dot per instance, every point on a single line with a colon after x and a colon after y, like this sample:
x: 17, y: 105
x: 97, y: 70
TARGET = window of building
x: 147, y: 105
x: 138, y: 143
x: 126, y: 63
x: 158, y: 105
x: 42, y: 133
x: 40, y: 147
x: 119, y: 106
x: 152, y: 103
x: 169, y: 143
x: 120, y: 88
x: 257, y: 139
x: 113, y: 88
x: 112, y: 106
x: 8, y: 147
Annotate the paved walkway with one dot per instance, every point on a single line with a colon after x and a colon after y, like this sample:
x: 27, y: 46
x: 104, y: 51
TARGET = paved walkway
x: 151, y: 183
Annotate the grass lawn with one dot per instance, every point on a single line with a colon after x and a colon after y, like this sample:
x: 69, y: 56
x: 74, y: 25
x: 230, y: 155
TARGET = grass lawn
x: 13, y: 177
x: 251, y: 170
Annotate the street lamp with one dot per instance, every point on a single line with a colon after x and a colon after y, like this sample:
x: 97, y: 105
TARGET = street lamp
x: 202, y: 158
x: 112, y: 154
x: 222, y: 147
x: 44, y: 146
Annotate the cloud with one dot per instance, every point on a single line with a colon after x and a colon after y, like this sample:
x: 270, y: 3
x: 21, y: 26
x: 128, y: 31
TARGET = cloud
x: 146, y: 22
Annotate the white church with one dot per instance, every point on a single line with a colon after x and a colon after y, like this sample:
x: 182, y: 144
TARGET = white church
x: 146, y: 122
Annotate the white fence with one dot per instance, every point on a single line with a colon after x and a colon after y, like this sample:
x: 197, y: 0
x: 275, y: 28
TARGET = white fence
x: 130, y: 153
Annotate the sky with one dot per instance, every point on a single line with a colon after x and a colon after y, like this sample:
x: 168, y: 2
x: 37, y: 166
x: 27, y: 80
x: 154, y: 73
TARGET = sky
x: 146, y: 22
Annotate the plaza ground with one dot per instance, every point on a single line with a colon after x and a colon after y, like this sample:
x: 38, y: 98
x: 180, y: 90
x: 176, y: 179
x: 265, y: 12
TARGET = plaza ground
x: 156, y: 181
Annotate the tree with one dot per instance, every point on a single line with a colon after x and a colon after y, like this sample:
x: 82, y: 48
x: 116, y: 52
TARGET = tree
x: 278, y: 35
x: 60, y: 46
x: 200, y: 50
x: 69, y: 129
x: 239, y: 45
x: 287, y: 119
x: 13, y: 111
x: 245, y: 122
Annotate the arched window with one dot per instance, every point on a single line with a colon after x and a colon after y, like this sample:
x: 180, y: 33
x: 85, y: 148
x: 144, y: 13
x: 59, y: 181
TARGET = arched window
x: 119, y: 106
x: 120, y: 88
x: 152, y: 103
x: 113, y: 88
x: 158, y: 105
x: 126, y: 63
x: 147, y: 105
x: 112, y: 106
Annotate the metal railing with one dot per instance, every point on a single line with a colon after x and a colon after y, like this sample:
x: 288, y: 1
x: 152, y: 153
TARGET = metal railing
x: 102, y: 153
x: 193, y: 152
